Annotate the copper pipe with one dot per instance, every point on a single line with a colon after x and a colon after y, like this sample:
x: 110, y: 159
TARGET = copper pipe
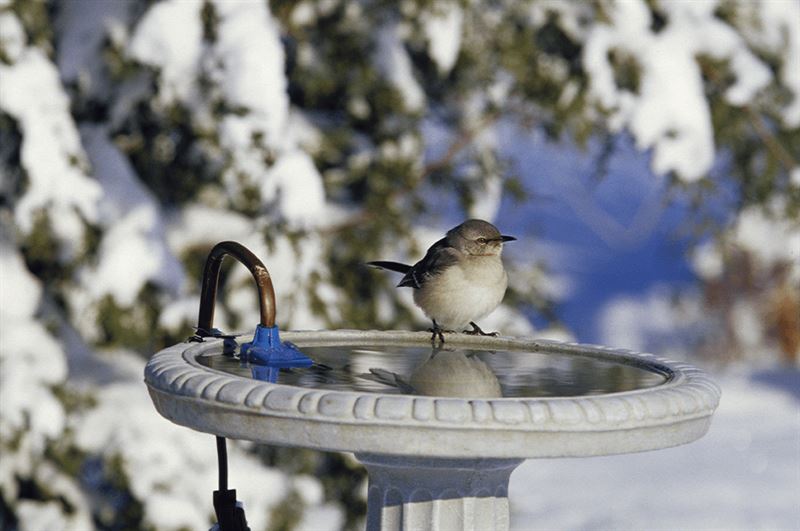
x: 208, y: 295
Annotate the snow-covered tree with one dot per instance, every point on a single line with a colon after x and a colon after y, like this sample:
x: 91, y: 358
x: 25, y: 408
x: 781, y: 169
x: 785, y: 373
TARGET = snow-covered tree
x: 134, y: 135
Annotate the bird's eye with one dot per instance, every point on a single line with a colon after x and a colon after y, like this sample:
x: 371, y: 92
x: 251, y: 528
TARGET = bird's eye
x: 481, y: 240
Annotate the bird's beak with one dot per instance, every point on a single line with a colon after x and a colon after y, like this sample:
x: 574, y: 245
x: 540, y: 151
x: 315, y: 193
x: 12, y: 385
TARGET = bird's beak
x: 505, y: 238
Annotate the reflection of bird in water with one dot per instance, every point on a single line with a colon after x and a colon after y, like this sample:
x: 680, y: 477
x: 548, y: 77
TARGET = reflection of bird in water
x: 444, y: 374
x: 392, y: 379
x: 460, y: 280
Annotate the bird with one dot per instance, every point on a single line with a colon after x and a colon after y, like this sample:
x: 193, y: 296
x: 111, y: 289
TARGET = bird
x: 461, y: 278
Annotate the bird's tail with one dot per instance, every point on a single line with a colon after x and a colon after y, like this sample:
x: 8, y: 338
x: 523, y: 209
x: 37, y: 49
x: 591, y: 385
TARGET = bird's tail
x: 391, y: 266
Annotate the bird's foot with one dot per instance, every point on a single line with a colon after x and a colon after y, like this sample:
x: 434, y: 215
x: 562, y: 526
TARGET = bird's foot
x: 437, y: 331
x: 476, y: 331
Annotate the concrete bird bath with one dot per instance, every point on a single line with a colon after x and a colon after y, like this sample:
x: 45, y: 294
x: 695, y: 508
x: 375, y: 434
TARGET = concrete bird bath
x: 439, y: 430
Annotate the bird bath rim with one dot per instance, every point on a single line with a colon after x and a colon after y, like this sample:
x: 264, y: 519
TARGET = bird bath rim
x: 675, y: 412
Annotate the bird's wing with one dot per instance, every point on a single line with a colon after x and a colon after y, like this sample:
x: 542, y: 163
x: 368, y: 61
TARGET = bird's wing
x: 440, y: 256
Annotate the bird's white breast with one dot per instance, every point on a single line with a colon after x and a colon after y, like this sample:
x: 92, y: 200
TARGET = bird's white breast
x: 467, y: 291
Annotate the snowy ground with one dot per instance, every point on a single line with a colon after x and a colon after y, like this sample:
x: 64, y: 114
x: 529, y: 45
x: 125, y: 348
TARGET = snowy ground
x: 743, y: 475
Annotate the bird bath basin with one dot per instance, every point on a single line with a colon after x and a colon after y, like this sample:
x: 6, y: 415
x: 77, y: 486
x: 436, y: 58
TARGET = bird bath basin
x: 439, y: 429
x: 435, y: 461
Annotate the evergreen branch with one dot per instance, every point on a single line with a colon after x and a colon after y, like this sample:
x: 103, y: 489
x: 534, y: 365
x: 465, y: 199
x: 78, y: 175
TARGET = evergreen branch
x: 769, y: 139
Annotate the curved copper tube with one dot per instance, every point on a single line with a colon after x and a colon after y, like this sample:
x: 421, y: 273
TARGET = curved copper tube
x: 208, y: 295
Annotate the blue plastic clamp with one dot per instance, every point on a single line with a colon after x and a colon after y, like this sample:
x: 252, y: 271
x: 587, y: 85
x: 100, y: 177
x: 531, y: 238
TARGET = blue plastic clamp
x: 268, y: 350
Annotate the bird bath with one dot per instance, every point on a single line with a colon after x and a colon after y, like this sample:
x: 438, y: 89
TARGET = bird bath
x: 439, y: 430
x: 434, y: 461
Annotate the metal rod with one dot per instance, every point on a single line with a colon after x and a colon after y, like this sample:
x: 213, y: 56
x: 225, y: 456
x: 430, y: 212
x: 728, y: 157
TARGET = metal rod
x: 208, y: 294
x: 222, y: 463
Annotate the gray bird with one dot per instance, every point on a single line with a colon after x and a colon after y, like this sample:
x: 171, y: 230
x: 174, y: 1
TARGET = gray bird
x: 460, y: 280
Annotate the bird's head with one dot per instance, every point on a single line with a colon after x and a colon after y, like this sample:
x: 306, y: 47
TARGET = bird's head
x: 476, y: 237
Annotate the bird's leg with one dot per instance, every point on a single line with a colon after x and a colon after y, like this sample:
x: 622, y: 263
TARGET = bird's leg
x: 476, y: 330
x: 436, y: 331
x: 435, y: 349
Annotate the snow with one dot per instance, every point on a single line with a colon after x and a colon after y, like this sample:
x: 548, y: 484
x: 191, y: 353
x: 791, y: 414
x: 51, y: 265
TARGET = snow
x: 752, y: 76
x: 743, y: 475
x: 52, y: 155
x: 393, y: 62
x: 170, y: 38
x: 771, y: 240
x: 12, y: 36
x: 443, y: 28
x: 178, y: 312
x: 294, y: 179
x: 671, y: 118
x: 40, y: 516
x: 133, y: 250
x: 707, y: 261
x: 249, y: 67
x: 19, y: 297
x: 49, y: 515
x: 674, y: 122
x: 321, y: 518
x: 31, y: 359
x: 303, y: 14
x: 140, y: 243
x: 487, y: 203
x: 660, y: 317
x: 772, y: 25
x: 146, y: 443
x: 127, y: 260
x: 199, y: 224
x: 31, y: 362
x: 251, y: 55
x: 747, y: 324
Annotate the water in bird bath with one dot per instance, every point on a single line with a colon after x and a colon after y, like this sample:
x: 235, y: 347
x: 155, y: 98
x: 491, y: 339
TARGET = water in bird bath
x: 455, y: 372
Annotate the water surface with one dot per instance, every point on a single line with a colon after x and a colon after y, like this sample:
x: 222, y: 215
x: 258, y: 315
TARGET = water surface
x: 453, y: 372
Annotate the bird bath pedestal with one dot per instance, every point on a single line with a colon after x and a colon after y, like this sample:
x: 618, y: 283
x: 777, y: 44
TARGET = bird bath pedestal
x: 441, y: 461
